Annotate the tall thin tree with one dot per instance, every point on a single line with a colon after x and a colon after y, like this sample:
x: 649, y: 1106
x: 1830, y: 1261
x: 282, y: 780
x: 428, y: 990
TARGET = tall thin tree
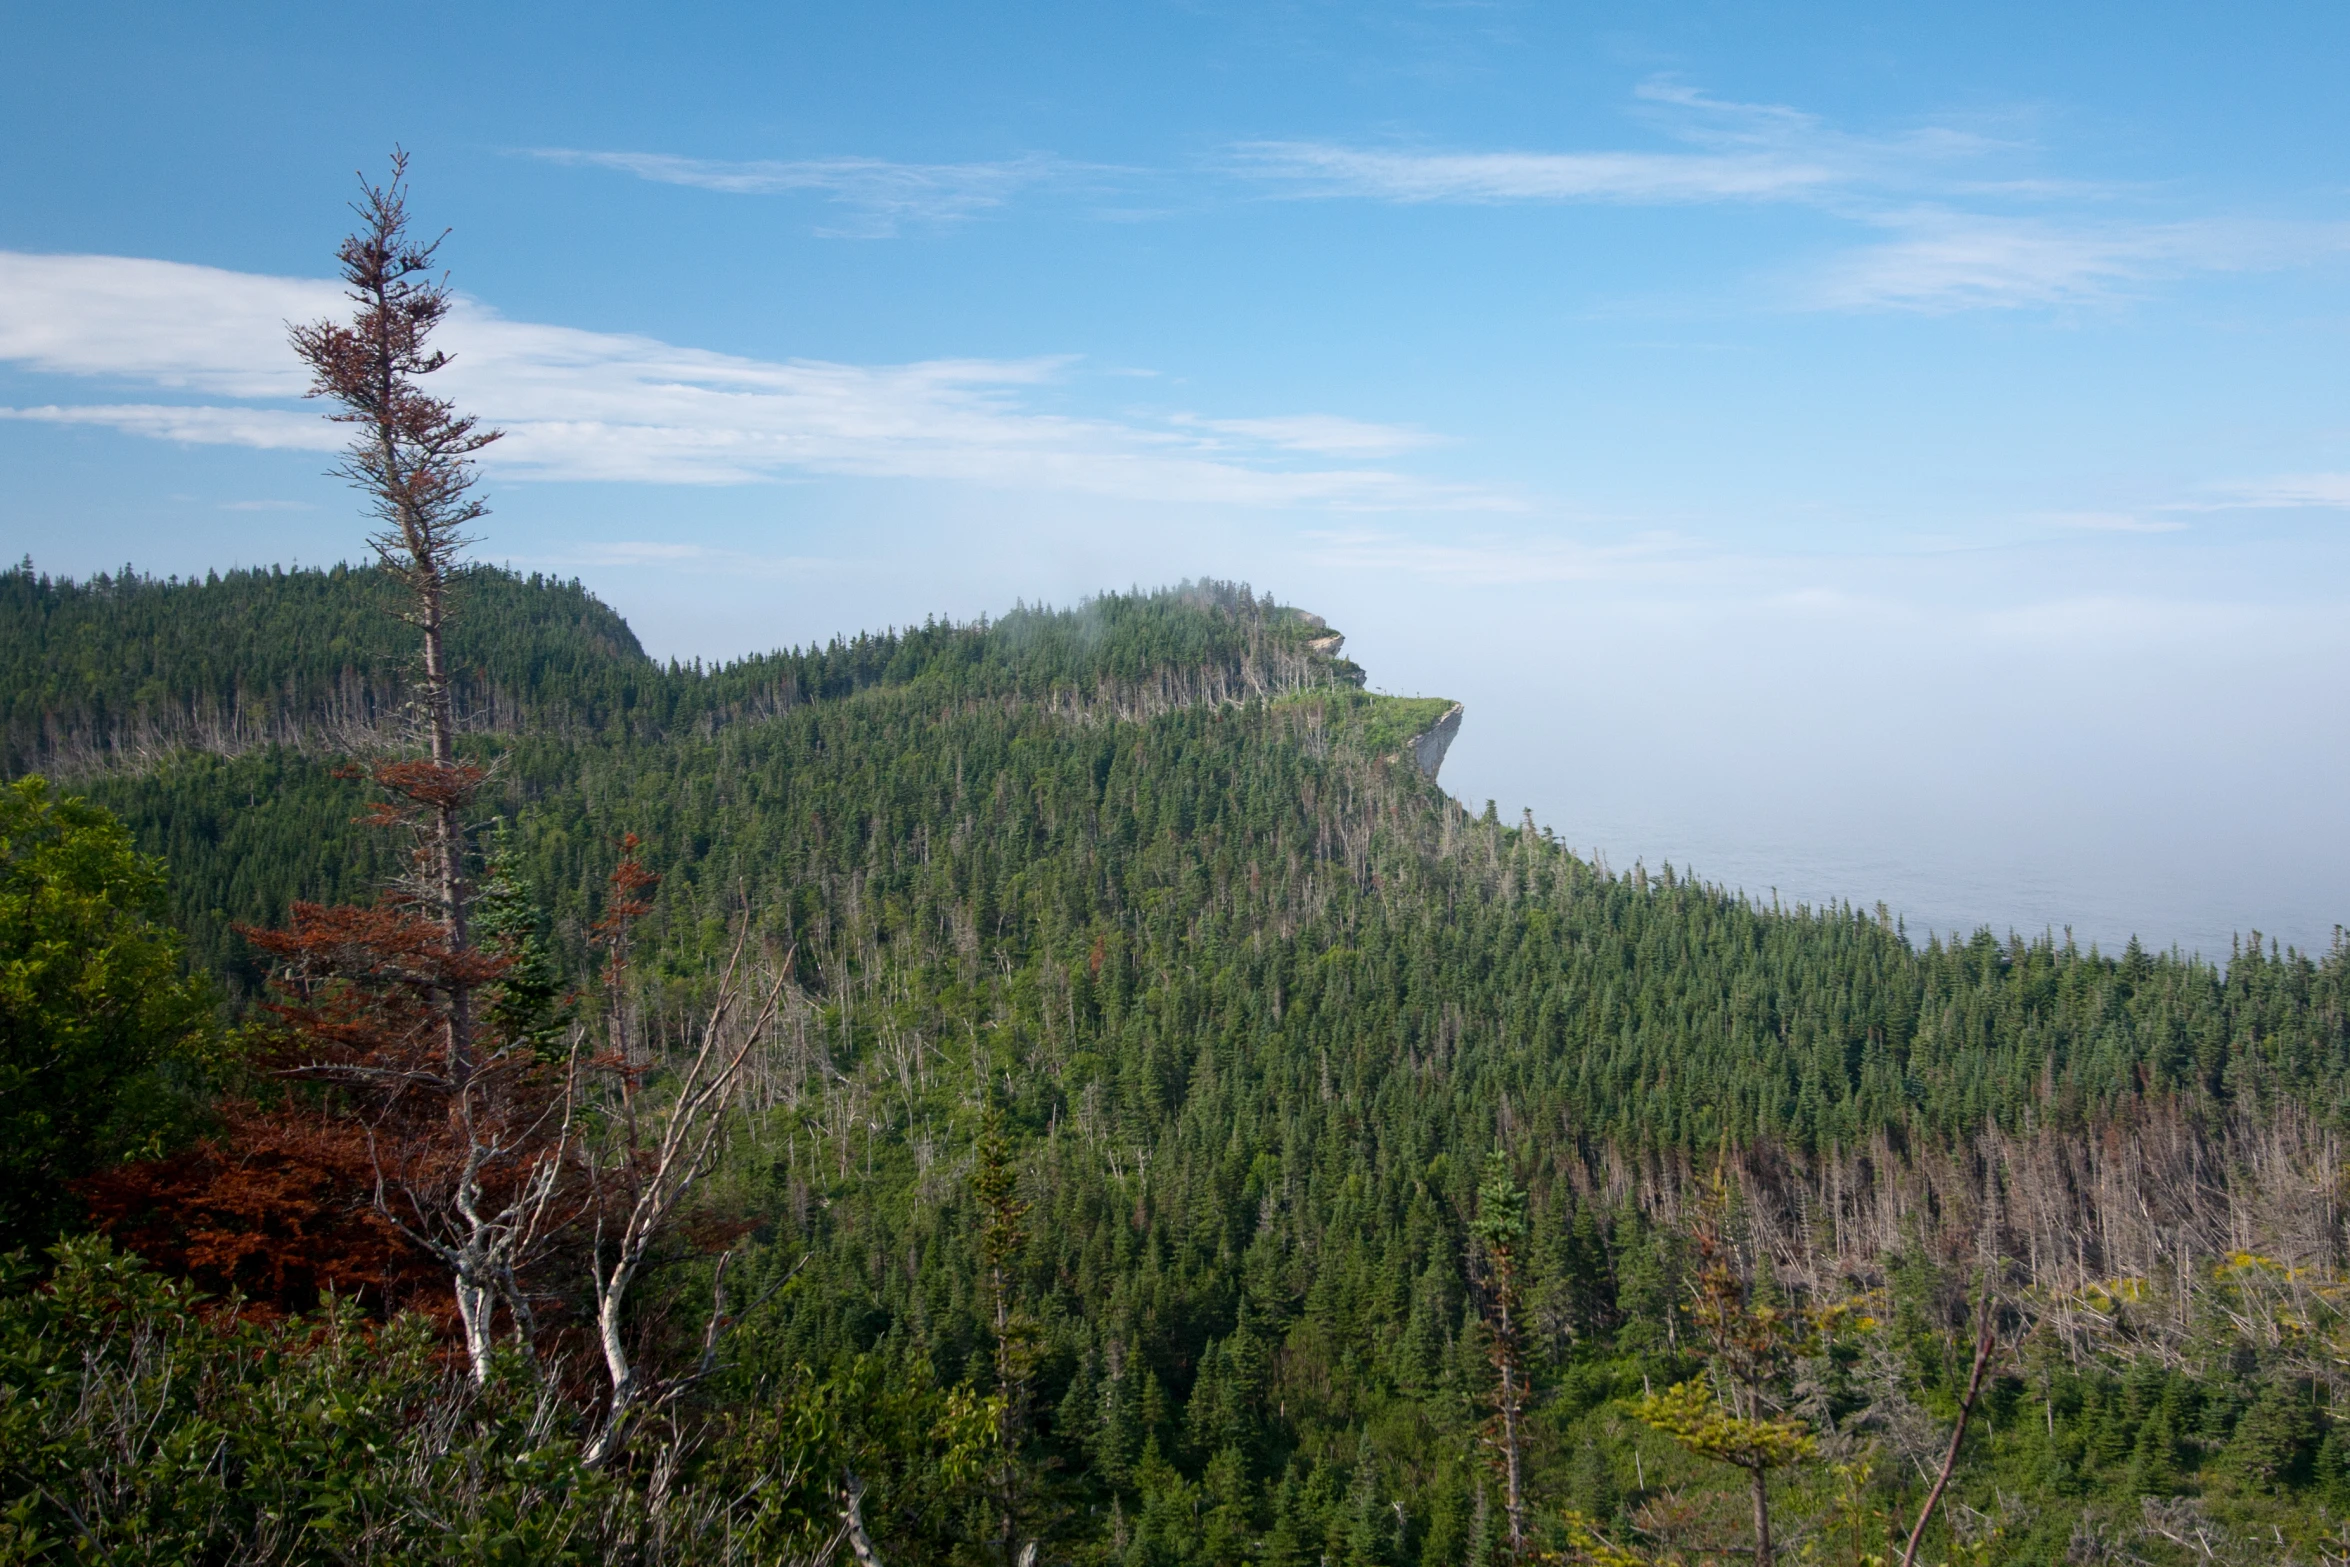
x: 483, y: 1202
x: 1003, y: 1234
x: 411, y: 455
x: 1499, y: 1229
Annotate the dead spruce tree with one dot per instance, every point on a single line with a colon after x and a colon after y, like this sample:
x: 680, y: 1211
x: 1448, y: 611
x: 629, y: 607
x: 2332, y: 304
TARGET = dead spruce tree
x: 411, y: 455
x: 468, y: 1132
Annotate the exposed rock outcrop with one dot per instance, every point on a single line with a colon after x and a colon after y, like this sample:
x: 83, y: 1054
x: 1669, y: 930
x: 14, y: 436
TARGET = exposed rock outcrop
x: 1429, y: 746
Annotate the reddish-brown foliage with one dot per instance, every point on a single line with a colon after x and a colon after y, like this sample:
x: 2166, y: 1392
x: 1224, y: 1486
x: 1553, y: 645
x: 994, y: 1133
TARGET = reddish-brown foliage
x: 366, y: 988
x: 412, y: 454
x: 275, y: 1210
x: 400, y: 1102
x: 629, y: 901
x: 425, y: 785
x: 284, y: 1203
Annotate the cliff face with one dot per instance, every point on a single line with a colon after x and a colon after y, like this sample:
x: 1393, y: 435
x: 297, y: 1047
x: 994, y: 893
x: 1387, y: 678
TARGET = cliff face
x: 1428, y: 747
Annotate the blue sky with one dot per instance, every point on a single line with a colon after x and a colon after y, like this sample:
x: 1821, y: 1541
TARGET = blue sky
x: 1869, y: 451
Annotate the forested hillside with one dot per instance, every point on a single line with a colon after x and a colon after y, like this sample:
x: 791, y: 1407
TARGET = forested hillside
x: 123, y: 670
x: 1150, y: 1028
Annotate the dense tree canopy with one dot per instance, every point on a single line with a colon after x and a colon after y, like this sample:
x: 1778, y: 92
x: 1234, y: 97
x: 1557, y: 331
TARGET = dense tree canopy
x: 1154, y: 1025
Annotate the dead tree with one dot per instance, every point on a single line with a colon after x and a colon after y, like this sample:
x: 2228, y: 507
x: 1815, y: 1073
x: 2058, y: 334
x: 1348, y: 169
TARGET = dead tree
x: 411, y: 455
x: 641, y: 1185
x: 471, y: 1171
x: 1986, y: 1343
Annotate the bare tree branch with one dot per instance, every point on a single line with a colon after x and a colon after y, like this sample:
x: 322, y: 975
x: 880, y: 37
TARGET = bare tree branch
x: 690, y: 1126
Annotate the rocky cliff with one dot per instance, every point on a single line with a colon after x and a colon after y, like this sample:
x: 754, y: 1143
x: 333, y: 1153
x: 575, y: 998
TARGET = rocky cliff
x: 1428, y: 747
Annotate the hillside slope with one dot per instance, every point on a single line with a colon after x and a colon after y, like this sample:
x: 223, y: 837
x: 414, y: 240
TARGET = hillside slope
x: 1160, y: 884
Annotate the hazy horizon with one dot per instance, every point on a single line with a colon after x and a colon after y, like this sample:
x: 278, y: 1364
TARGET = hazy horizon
x: 1992, y: 860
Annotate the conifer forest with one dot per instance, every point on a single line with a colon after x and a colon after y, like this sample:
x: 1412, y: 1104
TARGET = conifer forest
x: 1064, y: 1088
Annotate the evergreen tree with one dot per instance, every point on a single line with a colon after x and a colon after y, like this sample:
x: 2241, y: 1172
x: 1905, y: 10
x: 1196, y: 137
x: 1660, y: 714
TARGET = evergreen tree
x: 94, y: 1011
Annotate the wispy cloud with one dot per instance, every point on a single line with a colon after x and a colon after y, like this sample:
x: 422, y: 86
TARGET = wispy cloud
x: 1960, y: 228
x: 1953, y: 261
x: 2284, y: 492
x: 1945, y: 260
x: 1328, y: 169
x: 610, y: 406
x: 277, y: 429
x: 880, y: 194
x: 1739, y: 152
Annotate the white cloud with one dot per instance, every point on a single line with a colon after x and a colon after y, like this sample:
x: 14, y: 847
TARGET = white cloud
x: 611, y: 406
x: 883, y: 193
x: 2285, y: 492
x: 1948, y: 260
x: 268, y: 428
x: 156, y: 322
x: 1745, y: 152
x: 1326, y: 169
x: 1924, y: 187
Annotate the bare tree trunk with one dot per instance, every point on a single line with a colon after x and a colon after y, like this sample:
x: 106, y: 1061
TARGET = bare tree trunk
x: 686, y: 1151
x: 1514, y: 1500
x: 1762, y: 1517
x: 488, y: 1255
x: 852, y: 1521
x: 1985, y: 1342
x: 448, y: 824
x: 476, y: 1302
x: 474, y: 1307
